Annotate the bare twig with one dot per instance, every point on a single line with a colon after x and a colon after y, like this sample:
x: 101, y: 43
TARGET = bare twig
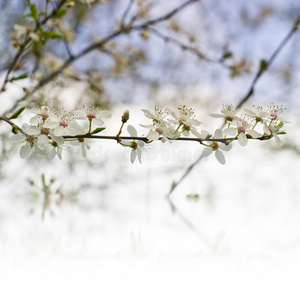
x: 126, y: 12
x: 250, y: 92
x: 268, y: 63
x: 173, y: 41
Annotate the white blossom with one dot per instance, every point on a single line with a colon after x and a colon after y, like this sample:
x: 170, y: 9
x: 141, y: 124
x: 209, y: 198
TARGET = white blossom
x: 228, y: 113
x: 257, y: 112
x: 22, y: 30
x: 275, y: 111
x: 136, y: 146
x: 84, y: 143
x: 241, y: 128
x: 44, y: 116
x: 67, y: 126
x: 30, y: 144
x: 274, y: 129
x: 160, y: 128
x: 185, y: 117
x: 217, y: 147
x: 93, y: 114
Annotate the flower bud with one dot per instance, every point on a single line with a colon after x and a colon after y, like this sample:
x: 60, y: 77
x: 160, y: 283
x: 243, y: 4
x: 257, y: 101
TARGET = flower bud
x: 125, y: 116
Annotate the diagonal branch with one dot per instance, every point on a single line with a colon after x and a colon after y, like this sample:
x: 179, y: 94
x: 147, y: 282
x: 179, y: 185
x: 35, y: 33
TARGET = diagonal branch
x: 100, y: 44
x: 250, y: 92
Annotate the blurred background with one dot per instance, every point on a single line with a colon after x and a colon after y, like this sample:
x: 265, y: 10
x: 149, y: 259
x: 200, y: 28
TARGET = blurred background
x: 109, y: 228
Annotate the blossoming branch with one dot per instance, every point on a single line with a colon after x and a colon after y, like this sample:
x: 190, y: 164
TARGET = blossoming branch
x: 50, y: 131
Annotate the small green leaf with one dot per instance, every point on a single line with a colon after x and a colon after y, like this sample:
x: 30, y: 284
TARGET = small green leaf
x: 14, y: 129
x: 227, y: 54
x: 17, y: 113
x: 263, y: 65
x: 51, y: 35
x: 23, y: 76
x: 60, y: 13
x: 33, y: 11
x: 97, y: 130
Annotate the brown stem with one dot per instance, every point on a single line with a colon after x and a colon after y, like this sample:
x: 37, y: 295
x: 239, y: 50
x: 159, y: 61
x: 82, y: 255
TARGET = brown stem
x: 99, y: 45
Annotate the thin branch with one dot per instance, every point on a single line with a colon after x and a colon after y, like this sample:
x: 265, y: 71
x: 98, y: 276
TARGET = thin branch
x: 144, y: 139
x: 187, y: 222
x: 126, y: 12
x: 12, y: 124
x: 191, y: 49
x: 250, y: 92
x: 100, y: 44
x: 169, y: 39
x: 261, y: 70
x: 166, y: 16
x: 23, y: 46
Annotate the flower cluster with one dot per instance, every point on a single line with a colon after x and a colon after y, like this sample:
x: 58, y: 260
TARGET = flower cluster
x: 48, y: 130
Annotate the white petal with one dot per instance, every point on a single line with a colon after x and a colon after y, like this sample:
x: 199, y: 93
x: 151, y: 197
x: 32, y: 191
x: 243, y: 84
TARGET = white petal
x: 153, y: 135
x: 132, y: 131
x: 43, y: 141
x: 80, y: 114
x: 50, y: 124
x: 58, y: 139
x: 266, y: 130
x: 224, y: 147
x: 83, y: 150
x: 31, y: 129
x: 193, y: 122
x: 148, y: 126
x: 139, y: 153
x: 34, y: 120
x: 147, y: 113
x: 52, y: 153
x: 97, y: 122
x: 141, y: 144
x: 196, y: 133
x: 59, y: 152
x: 25, y: 150
x: 171, y: 135
x: 17, y: 138
x: 74, y: 126
x: 216, y: 115
x: 204, y: 134
x: 242, y: 138
x: 277, y: 139
x: 230, y: 131
x: 218, y: 134
x: 249, y: 112
x: 254, y: 133
x: 104, y: 114
x: 133, y: 156
x: 207, y: 151
x: 220, y: 157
